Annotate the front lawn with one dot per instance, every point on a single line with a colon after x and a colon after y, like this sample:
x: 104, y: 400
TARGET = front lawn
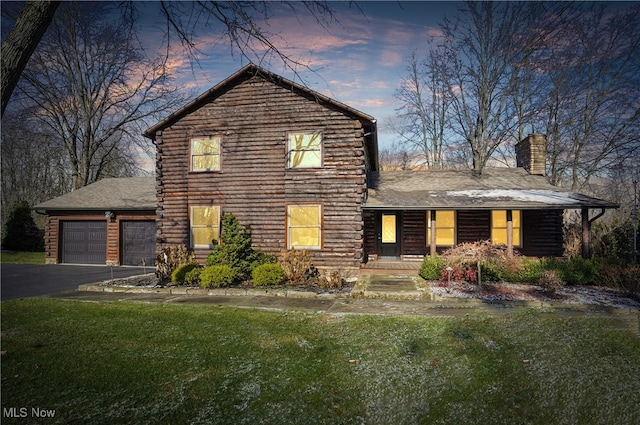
x: 20, y: 257
x: 178, y: 364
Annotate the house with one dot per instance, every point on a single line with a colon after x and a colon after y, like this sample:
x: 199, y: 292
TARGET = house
x: 112, y: 221
x: 300, y: 170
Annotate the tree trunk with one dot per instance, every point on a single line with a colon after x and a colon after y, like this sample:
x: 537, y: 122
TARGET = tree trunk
x: 22, y: 41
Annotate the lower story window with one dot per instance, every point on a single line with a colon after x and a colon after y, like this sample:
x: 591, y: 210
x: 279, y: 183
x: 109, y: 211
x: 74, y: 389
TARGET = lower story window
x: 304, y: 226
x: 205, y: 226
x: 445, y: 228
x: 499, y: 227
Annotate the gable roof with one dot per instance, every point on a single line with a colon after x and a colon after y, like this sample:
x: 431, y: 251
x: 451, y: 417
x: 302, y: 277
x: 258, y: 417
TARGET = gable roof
x: 496, y: 188
x: 125, y: 193
x: 247, y: 72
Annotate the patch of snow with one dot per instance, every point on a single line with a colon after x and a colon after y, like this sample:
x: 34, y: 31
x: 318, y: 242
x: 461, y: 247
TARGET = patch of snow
x: 548, y: 197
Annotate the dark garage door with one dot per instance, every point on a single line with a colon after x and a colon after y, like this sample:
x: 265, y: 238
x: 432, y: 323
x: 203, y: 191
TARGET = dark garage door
x: 84, y: 242
x: 138, y: 243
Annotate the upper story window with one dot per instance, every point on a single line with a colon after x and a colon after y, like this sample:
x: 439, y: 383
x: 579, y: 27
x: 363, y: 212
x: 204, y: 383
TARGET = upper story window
x: 205, y: 154
x: 499, y: 227
x: 304, y: 150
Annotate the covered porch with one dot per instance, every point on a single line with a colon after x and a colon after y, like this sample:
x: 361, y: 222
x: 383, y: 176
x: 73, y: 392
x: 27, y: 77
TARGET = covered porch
x: 410, y: 214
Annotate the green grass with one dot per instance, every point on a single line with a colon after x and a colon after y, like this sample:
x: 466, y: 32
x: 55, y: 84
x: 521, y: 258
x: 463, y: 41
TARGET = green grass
x: 19, y: 257
x: 124, y: 363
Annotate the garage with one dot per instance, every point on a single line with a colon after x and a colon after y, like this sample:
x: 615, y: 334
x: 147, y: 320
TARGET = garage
x: 84, y: 242
x: 111, y: 221
x: 138, y: 242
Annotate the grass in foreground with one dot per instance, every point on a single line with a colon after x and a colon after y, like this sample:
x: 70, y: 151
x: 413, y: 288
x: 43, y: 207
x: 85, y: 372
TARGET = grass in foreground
x: 137, y: 363
x: 19, y: 257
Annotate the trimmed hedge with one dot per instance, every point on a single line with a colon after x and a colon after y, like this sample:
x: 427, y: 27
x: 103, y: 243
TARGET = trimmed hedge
x: 217, y: 276
x: 179, y: 275
x: 267, y: 274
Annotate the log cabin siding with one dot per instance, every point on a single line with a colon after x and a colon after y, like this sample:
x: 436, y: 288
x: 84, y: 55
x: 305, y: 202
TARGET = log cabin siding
x: 253, y: 118
x: 473, y: 225
x: 414, y: 231
x: 369, y: 235
x: 542, y: 233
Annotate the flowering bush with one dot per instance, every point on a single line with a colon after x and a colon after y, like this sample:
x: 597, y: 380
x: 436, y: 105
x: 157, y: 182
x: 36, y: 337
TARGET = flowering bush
x: 458, y: 274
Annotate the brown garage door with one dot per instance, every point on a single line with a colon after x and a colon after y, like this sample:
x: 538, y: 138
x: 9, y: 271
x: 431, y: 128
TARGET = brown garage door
x: 138, y: 243
x: 84, y: 242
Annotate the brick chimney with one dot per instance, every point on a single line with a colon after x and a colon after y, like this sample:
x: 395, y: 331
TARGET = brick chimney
x: 531, y: 154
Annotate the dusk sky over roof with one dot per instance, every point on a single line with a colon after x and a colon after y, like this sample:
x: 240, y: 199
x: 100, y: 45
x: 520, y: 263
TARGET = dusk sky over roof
x: 359, y: 60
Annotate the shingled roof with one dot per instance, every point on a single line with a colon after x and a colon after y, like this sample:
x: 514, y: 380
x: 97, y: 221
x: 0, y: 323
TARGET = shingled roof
x: 495, y: 188
x: 126, y: 193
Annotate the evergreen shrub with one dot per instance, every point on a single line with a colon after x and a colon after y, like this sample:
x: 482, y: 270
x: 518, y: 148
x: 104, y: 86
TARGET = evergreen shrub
x: 432, y: 266
x: 179, y: 274
x: 21, y: 232
x: 235, y: 249
x: 192, y: 277
x: 217, y: 276
x: 267, y: 275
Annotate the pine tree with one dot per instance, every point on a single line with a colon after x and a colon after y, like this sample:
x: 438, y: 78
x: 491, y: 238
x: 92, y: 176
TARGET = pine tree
x: 21, y: 232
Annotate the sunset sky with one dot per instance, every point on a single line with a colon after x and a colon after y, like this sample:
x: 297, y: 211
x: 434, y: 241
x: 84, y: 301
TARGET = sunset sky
x: 360, y: 60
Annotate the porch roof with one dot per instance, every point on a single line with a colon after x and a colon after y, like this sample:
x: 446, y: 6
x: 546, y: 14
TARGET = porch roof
x: 496, y: 188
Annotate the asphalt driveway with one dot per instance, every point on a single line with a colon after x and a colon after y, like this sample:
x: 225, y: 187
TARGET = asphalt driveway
x: 32, y: 280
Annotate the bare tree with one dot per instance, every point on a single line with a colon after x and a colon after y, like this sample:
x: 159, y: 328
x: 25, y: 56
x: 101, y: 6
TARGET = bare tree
x: 238, y: 19
x: 22, y: 41
x: 33, y: 164
x: 462, y: 96
x: 239, y: 22
x: 591, y: 108
x: 394, y: 158
x: 425, y: 103
x: 94, y: 88
x: 481, y: 48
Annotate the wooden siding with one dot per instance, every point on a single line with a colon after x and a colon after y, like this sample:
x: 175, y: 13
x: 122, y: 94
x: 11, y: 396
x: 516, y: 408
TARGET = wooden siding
x: 473, y: 225
x: 370, y: 240
x: 542, y: 233
x: 254, y: 118
x: 414, y: 233
x: 53, y: 231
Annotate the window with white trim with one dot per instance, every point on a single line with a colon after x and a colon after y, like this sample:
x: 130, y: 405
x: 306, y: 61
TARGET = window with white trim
x: 205, y: 226
x: 205, y: 154
x: 304, y: 150
x: 304, y: 226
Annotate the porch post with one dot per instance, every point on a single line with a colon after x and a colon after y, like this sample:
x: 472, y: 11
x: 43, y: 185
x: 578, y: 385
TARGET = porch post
x: 432, y: 242
x: 509, y: 233
x: 586, y: 233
